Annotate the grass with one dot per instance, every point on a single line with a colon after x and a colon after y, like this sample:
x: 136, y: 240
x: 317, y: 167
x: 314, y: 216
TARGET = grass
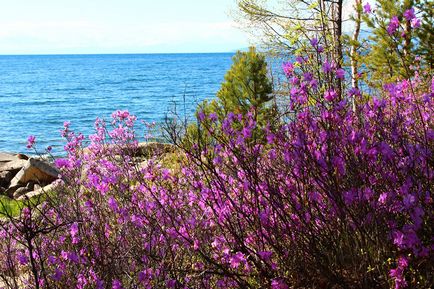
x: 10, y: 207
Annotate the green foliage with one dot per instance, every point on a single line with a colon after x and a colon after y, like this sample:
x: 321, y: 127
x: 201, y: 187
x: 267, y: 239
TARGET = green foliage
x: 9, y: 207
x: 246, y: 88
x: 246, y: 84
x: 390, y: 56
x: 425, y: 33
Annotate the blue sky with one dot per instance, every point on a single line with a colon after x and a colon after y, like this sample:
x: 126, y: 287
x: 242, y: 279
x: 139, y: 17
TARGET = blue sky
x: 118, y: 26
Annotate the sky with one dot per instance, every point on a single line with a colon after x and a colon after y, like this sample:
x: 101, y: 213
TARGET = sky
x: 118, y: 26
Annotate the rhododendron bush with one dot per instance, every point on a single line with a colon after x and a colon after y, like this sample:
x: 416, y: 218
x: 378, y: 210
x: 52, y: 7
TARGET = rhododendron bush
x: 335, y: 197
x: 338, y: 194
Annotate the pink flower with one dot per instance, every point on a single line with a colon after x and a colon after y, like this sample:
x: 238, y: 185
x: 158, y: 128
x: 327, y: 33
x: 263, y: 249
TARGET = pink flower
x: 31, y: 141
x: 117, y: 284
x: 367, y: 8
x: 330, y: 95
x: 314, y: 42
x: 288, y: 68
x: 278, y: 284
x: 409, y: 14
x: 393, y: 25
x: 415, y: 23
x: 237, y: 259
x: 340, y: 73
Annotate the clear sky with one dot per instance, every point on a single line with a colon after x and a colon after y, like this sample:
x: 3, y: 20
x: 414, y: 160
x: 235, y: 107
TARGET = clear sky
x: 118, y: 26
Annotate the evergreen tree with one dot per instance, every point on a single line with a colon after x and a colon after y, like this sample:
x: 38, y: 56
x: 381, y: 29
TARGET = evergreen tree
x: 398, y: 40
x: 246, y: 85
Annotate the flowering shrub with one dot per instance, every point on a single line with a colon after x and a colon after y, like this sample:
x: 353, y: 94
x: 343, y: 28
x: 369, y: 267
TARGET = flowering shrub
x: 338, y: 195
x: 332, y: 199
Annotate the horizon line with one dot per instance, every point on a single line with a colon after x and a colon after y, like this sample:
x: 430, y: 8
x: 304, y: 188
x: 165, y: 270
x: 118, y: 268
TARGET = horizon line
x: 116, y: 53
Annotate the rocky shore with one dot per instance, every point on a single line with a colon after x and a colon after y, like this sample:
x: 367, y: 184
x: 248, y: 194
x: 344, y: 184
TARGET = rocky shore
x: 23, y: 176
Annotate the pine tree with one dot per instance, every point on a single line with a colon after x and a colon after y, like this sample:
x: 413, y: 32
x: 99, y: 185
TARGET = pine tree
x: 392, y: 53
x: 246, y: 85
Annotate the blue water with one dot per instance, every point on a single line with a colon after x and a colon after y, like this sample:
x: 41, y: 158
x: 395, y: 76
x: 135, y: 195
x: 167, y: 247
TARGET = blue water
x: 38, y: 93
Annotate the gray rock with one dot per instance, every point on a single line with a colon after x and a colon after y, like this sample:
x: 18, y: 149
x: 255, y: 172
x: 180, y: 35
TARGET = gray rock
x: 20, y: 191
x: 6, y: 177
x: 14, y: 165
x: 46, y: 189
x: 11, y: 190
x: 5, y: 157
x: 37, y: 171
x: 30, y: 186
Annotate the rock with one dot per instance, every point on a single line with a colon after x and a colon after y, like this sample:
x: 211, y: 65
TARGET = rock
x: 5, y: 157
x: 30, y: 186
x: 5, y: 178
x: 22, y: 157
x: 37, y: 171
x: 11, y: 190
x: 14, y: 165
x: 46, y: 189
x: 20, y: 191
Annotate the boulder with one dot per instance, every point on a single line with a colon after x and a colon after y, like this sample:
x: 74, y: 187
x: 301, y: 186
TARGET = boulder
x: 5, y: 157
x: 22, y: 157
x: 13, y: 165
x: 5, y: 178
x: 37, y: 192
x: 37, y: 171
x: 11, y: 190
x: 20, y: 191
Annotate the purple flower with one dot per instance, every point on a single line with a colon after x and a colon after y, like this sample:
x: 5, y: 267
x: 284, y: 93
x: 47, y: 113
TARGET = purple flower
x: 265, y: 255
x: 74, y: 229
x: 330, y: 95
x: 367, y: 8
x: 117, y: 284
x: 237, y: 259
x: 288, y: 68
x: 327, y: 67
x: 340, y: 73
x: 213, y: 117
x: 31, y: 141
x: 278, y: 284
x: 409, y: 14
x: 354, y: 92
x: 314, y: 42
x: 113, y: 204
x: 415, y: 23
x: 23, y: 259
x: 393, y: 25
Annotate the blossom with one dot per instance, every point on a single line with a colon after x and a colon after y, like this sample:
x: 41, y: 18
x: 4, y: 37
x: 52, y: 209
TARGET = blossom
x: 278, y: 284
x: 116, y: 284
x: 288, y: 68
x: 330, y: 95
x: 393, y: 25
x: 409, y: 14
x: 314, y: 42
x: 367, y: 8
x: 415, y: 23
x: 340, y: 73
x: 327, y: 67
x: 237, y: 259
x: 31, y: 141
